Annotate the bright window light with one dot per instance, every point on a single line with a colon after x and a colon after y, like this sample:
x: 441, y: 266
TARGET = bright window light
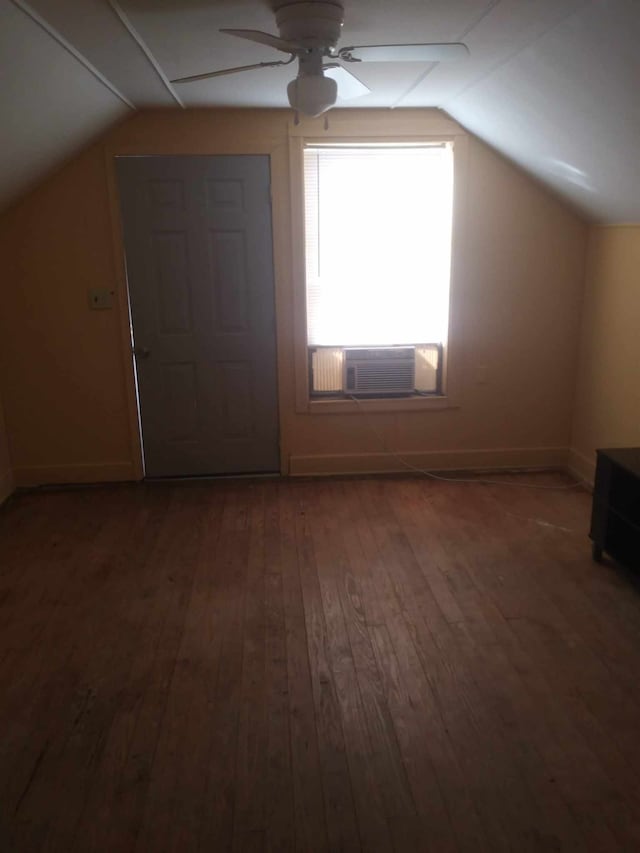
x: 378, y: 244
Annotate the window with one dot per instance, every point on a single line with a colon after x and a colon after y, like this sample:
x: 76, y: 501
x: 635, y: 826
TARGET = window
x: 378, y: 256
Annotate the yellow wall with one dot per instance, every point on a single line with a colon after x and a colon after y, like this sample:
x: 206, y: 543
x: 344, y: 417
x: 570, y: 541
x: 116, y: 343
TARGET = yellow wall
x: 6, y: 474
x: 66, y: 378
x: 607, y: 407
x: 62, y: 368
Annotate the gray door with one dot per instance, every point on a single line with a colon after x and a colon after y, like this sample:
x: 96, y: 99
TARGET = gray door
x: 198, y: 245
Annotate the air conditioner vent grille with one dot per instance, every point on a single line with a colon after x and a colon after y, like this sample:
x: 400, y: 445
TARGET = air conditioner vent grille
x: 385, y: 370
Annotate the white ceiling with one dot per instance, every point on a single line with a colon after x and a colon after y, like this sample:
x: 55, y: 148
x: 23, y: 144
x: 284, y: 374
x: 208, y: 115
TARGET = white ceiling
x: 552, y: 84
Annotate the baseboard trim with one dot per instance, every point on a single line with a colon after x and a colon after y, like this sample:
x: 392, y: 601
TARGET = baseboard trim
x: 449, y: 460
x: 48, y: 475
x: 7, y: 485
x: 581, y: 467
x: 327, y: 464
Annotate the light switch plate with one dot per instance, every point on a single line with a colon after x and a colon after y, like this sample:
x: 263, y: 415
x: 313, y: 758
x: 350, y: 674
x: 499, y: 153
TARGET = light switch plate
x: 100, y: 298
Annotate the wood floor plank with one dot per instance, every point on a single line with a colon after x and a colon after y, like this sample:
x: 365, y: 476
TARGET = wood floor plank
x: 364, y: 609
x: 157, y: 616
x: 342, y: 827
x: 343, y: 605
x: 223, y: 721
x: 433, y: 734
x: 344, y: 664
x: 278, y: 796
x: 85, y: 699
x: 586, y: 750
x: 486, y: 754
x: 181, y: 760
x: 249, y: 818
x: 309, y: 806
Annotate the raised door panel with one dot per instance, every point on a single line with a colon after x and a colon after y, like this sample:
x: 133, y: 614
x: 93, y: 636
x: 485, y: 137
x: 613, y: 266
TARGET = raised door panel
x: 170, y: 251
x: 181, y: 402
x: 228, y: 252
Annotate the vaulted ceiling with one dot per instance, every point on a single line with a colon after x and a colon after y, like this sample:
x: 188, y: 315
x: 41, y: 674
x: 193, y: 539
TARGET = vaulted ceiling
x: 552, y: 84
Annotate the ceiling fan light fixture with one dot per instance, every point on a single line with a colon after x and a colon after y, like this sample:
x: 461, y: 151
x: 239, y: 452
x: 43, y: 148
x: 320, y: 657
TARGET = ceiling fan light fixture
x: 312, y: 95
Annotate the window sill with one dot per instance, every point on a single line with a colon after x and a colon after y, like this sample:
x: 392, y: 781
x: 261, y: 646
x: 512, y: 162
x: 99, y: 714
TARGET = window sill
x: 378, y: 404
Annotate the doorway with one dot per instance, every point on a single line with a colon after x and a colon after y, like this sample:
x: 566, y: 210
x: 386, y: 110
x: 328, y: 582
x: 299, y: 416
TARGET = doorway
x: 199, y: 259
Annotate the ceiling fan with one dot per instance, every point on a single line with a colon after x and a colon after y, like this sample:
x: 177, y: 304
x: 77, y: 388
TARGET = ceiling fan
x: 309, y: 32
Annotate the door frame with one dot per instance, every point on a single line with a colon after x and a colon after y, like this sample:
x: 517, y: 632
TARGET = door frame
x: 277, y: 152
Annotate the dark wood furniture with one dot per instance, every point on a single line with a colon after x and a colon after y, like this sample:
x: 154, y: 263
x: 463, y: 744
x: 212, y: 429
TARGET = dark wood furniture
x: 615, y: 518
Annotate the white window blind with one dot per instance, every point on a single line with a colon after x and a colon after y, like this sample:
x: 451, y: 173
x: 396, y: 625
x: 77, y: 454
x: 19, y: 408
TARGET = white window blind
x: 378, y: 244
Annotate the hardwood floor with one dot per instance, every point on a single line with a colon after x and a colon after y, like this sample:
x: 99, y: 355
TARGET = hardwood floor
x: 340, y: 665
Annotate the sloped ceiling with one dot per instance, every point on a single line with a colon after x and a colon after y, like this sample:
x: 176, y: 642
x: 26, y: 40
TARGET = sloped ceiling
x: 50, y: 102
x: 552, y: 84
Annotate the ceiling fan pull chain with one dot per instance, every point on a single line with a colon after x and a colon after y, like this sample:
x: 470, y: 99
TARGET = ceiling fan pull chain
x: 326, y: 121
x: 296, y: 118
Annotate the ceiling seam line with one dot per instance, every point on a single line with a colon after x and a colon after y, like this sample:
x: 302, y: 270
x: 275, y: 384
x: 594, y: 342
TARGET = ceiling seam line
x: 492, y: 5
x: 428, y: 71
x: 515, y: 53
x: 66, y: 45
x: 117, y: 9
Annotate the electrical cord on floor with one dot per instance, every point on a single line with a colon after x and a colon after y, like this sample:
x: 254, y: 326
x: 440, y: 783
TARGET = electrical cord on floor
x: 431, y: 475
x: 541, y: 522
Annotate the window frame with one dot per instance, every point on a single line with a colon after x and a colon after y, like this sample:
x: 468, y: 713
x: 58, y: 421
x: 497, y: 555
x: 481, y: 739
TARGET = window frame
x: 345, y: 129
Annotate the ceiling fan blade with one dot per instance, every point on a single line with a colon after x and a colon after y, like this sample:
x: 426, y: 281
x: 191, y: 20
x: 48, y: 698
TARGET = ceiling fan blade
x: 404, y: 52
x: 265, y: 38
x: 224, y: 71
x: 348, y: 84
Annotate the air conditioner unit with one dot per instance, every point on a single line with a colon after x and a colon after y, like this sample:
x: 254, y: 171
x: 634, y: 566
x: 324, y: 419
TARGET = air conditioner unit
x: 379, y: 371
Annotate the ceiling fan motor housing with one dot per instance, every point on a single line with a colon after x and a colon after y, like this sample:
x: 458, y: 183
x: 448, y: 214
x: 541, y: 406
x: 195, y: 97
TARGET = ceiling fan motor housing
x: 317, y: 24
